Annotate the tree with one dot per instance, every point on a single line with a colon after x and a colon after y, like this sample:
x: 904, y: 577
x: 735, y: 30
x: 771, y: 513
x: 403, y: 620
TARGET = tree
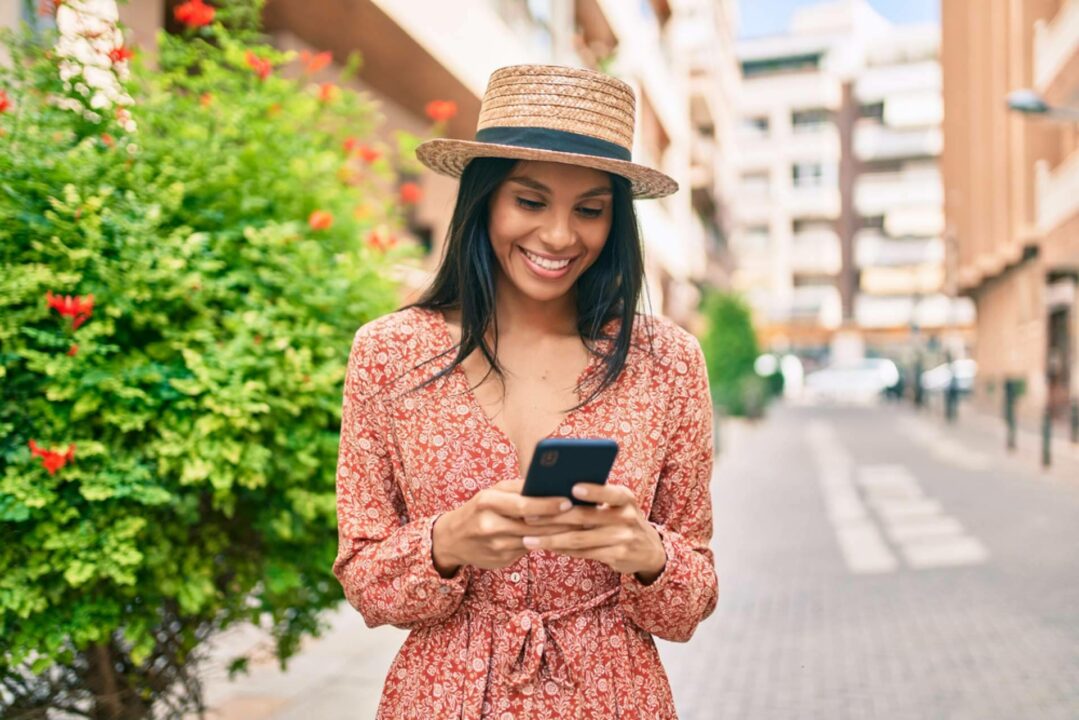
x: 730, y: 347
x: 186, y: 253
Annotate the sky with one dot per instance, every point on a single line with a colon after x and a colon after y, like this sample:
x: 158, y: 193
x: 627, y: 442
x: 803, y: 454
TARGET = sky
x: 771, y: 17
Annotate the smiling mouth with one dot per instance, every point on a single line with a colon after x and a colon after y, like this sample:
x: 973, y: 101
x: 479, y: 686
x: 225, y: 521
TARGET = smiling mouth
x: 548, y: 264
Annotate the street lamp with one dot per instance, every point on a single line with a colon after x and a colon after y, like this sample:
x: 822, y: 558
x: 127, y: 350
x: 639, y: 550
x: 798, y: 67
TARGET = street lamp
x: 1030, y: 102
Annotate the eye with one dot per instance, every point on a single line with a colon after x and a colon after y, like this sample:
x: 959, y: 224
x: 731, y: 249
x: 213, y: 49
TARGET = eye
x: 529, y: 204
x: 590, y: 212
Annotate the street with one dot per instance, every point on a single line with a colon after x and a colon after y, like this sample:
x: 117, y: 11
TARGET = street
x: 873, y: 563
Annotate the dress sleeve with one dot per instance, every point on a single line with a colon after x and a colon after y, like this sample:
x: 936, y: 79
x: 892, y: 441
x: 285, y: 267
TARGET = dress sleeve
x: 686, y: 591
x: 384, y: 560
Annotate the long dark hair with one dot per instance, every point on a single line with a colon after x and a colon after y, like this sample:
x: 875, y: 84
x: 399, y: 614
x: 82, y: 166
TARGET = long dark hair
x: 609, y: 288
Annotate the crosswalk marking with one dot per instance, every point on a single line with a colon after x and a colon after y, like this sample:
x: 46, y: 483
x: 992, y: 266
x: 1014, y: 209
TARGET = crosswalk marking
x: 888, y: 494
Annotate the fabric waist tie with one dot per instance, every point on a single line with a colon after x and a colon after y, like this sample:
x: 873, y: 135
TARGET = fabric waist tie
x: 524, y: 646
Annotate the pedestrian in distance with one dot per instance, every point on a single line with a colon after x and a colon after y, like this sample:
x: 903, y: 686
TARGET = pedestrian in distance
x: 522, y: 606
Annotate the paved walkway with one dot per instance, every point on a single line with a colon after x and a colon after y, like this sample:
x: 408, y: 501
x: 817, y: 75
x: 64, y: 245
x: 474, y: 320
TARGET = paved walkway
x: 873, y: 562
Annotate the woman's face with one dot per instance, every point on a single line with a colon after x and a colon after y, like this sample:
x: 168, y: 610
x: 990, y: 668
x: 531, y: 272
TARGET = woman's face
x: 544, y: 214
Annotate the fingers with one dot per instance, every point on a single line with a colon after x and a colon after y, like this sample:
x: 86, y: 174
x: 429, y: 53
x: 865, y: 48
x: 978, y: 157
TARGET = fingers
x: 512, y: 504
x: 612, y: 495
x: 579, y: 539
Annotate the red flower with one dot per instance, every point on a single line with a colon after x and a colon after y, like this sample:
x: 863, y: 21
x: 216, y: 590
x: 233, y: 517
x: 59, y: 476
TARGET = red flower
x: 312, y: 63
x: 53, y: 461
x: 368, y: 154
x: 327, y: 92
x: 5, y: 102
x: 350, y: 145
x: 107, y: 139
x: 261, y: 66
x: 410, y: 193
x: 45, y: 8
x: 376, y: 241
x: 441, y: 110
x: 78, y: 308
x: 120, y: 54
x: 194, y: 13
x: 73, y: 349
x: 205, y: 99
x: 320, y: 220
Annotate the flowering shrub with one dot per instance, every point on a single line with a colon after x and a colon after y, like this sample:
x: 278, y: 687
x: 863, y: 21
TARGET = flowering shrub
x: 185, y: 255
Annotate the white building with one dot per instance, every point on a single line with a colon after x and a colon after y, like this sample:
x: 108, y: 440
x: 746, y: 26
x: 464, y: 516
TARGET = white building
x: 840, y: 200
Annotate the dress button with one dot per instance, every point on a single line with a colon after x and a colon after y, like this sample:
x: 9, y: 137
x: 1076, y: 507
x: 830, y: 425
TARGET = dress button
x: 444, y: 589
x: 516, y: 577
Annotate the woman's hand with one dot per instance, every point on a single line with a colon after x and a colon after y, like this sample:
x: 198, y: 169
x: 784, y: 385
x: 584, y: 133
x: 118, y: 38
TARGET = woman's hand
x: 616, y: 532
x: 486, y: 531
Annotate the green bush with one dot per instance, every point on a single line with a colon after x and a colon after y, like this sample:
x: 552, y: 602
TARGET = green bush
x: 181, y: 281
x: 730, y: 349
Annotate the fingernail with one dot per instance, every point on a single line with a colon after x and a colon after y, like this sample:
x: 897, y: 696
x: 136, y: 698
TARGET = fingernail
x: 566, y: 505
x: 530, y: 541
x: 580, y: 491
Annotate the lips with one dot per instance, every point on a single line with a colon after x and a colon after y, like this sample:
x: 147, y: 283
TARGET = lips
x: 544, y: 272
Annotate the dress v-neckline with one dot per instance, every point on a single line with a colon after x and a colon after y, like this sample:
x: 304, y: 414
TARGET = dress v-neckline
x: 459, y: 371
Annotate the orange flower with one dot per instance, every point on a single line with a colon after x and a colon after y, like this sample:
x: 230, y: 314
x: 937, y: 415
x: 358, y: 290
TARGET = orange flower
x: 73, y: 349
x: 261, y: 66
x: 5, y: 102
x: 194, y: 13
x: 53, y: 461
x: 205, y: 99
x: 320, y: 220
x: 107, y: 140
x: 410, y: 193
x: 77, y: 308
x: 350, y: 145
x: 327, y: 92
x: 313, y: 62
x: 367, y: 154
x: 376, y: 242
x: 120, y: 54
x: 45, y: 8
x: 441, y: 110
x: 273, y: 109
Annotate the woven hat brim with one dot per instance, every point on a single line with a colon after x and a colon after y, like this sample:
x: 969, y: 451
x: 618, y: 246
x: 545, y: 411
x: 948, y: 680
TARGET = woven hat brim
x: 450, y: 156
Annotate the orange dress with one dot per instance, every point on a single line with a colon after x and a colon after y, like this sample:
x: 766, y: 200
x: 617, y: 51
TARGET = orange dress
x: 549, y: 636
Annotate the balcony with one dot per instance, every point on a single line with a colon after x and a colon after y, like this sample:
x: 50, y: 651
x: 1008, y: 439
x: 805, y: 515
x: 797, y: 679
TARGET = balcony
x: 875, y: 84
x: 1055, y: 44
x: 702, y: 154
x: 813, y: 142
x: 911, y: 280
x: 871, y: 249
x: 916, y: 221
x: 879, y: 193
x: 816, y: 252
x: 814, y: 201
x: 761, y: 94
x: 883, y: 312
x: 1057, y: 192
x: 934, y: 311
x: 873, y: 141
x: 818, y: 304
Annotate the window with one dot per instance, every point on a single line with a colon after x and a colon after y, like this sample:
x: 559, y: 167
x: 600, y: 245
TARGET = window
x: 779, y: 65
x: 807, y: 174
x: 811, y: 120
x: 872, y: 110
x: 875, y: 222
x: 756, y: 184
x: 755, y: 126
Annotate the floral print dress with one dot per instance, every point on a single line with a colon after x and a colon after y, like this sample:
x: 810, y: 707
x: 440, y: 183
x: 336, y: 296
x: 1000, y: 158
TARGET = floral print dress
x: 550, y: 636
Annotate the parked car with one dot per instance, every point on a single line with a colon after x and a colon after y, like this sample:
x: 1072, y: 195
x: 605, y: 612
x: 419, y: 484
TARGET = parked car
x: 937, y: 379
x: 861, y: 384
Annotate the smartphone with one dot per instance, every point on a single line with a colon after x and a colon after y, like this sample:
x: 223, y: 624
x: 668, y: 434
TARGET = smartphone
x: 559, y: 463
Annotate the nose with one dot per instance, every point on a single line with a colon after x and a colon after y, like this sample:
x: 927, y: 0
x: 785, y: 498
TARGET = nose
x: 557, y: 231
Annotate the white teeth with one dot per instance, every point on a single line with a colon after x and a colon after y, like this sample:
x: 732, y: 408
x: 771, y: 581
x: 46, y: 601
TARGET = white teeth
x: 545, y: 263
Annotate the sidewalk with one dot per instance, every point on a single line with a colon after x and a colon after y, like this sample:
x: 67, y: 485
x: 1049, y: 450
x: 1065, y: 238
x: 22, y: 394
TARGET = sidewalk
x: 989, y: 433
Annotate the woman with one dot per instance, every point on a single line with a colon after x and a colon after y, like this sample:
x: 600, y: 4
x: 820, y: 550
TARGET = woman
x: 524, y: 607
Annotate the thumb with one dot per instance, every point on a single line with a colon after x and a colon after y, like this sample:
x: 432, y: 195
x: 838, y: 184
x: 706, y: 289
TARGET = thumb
x: 513, y: 485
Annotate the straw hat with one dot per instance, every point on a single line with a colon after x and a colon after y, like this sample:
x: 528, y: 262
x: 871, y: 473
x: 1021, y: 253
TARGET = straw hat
x: 553, y: 113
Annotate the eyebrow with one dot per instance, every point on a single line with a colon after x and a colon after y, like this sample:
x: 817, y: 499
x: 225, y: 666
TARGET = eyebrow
x: 537, y: 185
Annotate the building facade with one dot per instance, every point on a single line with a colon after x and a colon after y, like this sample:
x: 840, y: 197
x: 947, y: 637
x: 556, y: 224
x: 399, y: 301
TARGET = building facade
x: 840, y: 199
x: 1012, y: 194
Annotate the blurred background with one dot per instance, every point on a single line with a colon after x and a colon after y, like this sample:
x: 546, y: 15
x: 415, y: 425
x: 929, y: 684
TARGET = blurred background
x: 877, y: 241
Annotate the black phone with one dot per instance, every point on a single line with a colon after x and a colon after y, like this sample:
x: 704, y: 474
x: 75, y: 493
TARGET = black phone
x: 559, y: 463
